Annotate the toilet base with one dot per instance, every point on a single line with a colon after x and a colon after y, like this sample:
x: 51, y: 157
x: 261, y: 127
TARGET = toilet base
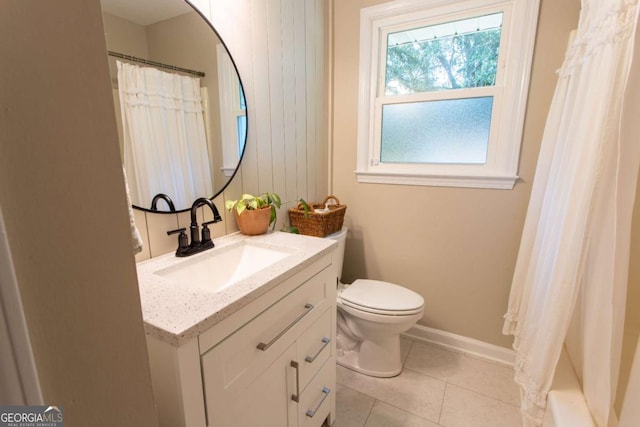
x: 347, y: 362
x: 375, y: 359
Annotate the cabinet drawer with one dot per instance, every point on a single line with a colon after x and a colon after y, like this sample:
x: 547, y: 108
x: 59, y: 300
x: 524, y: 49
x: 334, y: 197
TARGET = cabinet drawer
x: 315, y: 402
x: 236, y: 362
x: 314, y: 348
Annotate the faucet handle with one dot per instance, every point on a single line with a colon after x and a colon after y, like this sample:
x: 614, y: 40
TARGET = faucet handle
x: 206, y: 233
x: 177, y: 230
x: 183, y: 240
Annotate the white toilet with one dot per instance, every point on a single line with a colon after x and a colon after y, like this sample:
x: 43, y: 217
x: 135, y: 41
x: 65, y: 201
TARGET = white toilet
x: 371, y: 316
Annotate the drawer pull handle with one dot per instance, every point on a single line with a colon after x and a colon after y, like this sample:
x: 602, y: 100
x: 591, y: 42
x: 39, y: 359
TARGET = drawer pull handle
x: 296, y: 397
x: 264, y: 347
x: 325, y: 342
x: 312, y: 412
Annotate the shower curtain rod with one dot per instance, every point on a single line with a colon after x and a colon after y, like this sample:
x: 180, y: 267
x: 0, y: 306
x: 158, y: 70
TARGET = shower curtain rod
x: 154, y: 63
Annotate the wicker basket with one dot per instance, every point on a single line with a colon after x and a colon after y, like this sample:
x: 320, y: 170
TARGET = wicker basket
x: 316, y: 223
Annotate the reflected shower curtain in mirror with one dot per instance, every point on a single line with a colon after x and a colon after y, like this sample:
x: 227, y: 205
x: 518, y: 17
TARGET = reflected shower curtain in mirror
x: 165, y: 144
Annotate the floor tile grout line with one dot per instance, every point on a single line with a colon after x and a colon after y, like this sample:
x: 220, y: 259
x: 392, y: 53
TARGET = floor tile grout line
x: 461, y: 386
x: 453, y: 383
x: 403, y: 410
x: 482, y: 394
x: 426, y: 375
x: 369, y: 413
x: 412, y: 350
x: 358, y: 391
x: 446, y: 382
x: 406, y: 357
x: 392, y: 405
x: 444, y: 393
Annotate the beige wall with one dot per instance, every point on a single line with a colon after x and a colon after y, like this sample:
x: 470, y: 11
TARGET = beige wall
x: 124, y: 37
x: 456, y: 247
x: 62, y: 196
x: 631, y: 335
x: 631, y: 130
x: 632, y: 323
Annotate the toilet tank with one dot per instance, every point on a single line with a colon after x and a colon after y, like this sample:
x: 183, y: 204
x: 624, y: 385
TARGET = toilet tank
x: 341, y: 237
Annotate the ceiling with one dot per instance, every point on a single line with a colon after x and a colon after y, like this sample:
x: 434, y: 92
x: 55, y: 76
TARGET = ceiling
x: 146, y: 12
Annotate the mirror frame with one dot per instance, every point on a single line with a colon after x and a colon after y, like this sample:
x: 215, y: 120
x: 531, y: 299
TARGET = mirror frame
x: 244, y: 146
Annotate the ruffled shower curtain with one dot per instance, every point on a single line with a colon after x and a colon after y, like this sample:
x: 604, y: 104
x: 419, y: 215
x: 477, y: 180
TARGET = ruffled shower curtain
x: 165, y: 144
x: 577, y: 231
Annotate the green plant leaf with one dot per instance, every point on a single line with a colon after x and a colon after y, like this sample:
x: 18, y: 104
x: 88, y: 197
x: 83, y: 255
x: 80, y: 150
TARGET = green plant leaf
x: 276, y: 200
x: 305, y: 207
x: 272, y: 220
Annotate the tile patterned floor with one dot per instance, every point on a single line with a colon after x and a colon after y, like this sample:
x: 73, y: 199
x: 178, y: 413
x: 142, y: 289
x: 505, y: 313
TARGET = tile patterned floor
x: 436, y: 388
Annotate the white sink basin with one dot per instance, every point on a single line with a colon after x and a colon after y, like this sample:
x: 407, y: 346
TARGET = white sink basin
x: 217, y: 269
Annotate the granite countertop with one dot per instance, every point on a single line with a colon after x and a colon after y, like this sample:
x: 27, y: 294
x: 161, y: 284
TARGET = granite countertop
x: 177, y: 312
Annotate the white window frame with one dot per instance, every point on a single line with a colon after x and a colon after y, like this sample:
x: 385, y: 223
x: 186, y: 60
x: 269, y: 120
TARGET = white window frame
x: 510, y: 92
x: 229, y: 98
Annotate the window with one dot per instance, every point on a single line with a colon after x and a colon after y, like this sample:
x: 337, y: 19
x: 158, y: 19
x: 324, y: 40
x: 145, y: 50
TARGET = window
x: 443, y: 92
x: 241, y: 120
x: 233, y: 112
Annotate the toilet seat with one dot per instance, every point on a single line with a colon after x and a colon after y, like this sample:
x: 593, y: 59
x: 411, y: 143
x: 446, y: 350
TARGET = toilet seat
x: 382, y: 298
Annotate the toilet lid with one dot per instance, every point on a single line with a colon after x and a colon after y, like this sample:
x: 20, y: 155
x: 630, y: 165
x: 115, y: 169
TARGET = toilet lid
x: 381, y: 296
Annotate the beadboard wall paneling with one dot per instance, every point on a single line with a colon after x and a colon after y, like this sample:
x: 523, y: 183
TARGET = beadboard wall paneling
x: 279, y: 47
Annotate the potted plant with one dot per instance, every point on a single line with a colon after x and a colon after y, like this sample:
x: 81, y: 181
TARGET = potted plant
x: 254, y: 214
x: 260, y: 212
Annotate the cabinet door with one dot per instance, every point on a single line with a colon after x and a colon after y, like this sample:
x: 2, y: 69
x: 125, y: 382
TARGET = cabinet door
x: 266, y: 402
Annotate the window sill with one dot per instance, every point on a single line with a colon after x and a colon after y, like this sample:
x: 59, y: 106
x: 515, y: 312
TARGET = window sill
x: 464, y: 181
x: 228, y: 171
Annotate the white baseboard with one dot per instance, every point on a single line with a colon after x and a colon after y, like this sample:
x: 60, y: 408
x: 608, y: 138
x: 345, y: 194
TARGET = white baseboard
x: 462, y: 344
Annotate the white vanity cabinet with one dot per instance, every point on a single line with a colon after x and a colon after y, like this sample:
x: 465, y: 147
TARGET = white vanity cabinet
x: 270, y: 363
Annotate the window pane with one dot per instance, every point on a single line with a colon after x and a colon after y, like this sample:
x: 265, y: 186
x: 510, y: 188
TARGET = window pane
x: 453, y: 55
x: 241, y: 122
x: 243, y: 102
x: 450, y: 131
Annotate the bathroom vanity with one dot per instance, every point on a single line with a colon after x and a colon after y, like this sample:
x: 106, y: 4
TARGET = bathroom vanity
x: 243, y: 334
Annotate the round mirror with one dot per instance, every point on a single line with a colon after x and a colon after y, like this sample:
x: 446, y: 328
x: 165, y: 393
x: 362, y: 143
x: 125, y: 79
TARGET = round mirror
x: 179, y: 102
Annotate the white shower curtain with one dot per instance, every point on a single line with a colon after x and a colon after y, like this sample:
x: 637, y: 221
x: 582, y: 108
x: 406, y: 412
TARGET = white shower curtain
x: 577, y: 230
x: 165, y: 145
